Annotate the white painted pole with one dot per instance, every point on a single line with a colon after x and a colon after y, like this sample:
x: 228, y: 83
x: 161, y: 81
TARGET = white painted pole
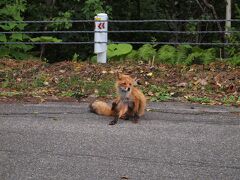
x: 228, y: 16
x: 101, y: 38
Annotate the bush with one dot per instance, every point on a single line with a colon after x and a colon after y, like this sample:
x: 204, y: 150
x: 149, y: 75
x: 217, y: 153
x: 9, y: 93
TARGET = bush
x: 118, y: 51
x: 200, y: 56
x: 13, y: 11
x: 167, y: 54
x: 183, y: 52
x: 133, y: 55
x: 235, y: 60
x: 146, y: 52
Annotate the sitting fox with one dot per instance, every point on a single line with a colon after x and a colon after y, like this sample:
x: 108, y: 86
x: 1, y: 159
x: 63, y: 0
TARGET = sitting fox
x: 130, y: 101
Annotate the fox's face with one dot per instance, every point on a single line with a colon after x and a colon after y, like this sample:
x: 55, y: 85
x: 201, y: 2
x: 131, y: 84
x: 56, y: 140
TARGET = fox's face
x: 125, y: 84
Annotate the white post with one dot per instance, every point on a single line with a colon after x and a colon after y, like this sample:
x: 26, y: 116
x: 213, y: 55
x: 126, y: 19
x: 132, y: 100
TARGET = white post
x: 101, y: 38
x: 228, y: 16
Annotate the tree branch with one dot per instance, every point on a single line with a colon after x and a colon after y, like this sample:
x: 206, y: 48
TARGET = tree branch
x: 199, y: 4
x: 210, y: 6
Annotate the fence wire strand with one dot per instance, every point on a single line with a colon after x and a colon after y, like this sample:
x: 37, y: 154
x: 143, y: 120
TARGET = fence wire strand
x: 126, y: 42
x: 123, y: 21
x: 119, y: 31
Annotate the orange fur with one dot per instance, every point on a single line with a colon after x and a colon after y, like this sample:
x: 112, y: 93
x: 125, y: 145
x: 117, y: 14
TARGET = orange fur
x: 101, y: 108
x: 130, y: 100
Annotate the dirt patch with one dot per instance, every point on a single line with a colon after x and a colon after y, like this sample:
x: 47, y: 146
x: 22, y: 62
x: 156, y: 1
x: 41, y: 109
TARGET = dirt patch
x: 35, y: 81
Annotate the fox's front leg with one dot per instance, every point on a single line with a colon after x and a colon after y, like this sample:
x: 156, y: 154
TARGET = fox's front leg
x: 115, y: 104
x: 135, y: 118
x: 114, y: 109
x: 135, y: 111
x: 122, y: 111
x: 114, y: 121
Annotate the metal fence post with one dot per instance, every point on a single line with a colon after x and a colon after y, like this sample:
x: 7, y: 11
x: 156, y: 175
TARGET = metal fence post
x: 101, y: 37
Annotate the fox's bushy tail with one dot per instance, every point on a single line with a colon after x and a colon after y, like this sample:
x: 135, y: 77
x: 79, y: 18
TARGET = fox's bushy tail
x: 101, y: 108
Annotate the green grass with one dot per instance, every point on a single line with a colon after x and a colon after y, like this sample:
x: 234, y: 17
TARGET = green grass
x: 39, y: 80
x: 105, y: 88
x: 75, y: 94
x: 199, y: 99
x: 158, y: 93
x: 10, y: 94
x: 21, y: 86
x: 228, y: 100
x: 76, y: 87
x: 8, y: 79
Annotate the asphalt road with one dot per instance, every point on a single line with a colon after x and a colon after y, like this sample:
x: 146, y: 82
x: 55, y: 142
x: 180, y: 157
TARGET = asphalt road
x: 66, y: 141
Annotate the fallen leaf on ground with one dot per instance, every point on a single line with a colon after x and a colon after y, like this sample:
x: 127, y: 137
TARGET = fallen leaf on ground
x: 182, y: 84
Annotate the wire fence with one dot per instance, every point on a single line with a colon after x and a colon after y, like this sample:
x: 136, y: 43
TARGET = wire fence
x: 174, y: 32
x: 125, y: 42
x: 120, y: 31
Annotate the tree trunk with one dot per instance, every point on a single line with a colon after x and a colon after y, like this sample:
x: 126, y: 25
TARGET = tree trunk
x: 43, y: 46
x: 210, y: 6
x: 139, y: 9
x: 228, y: 22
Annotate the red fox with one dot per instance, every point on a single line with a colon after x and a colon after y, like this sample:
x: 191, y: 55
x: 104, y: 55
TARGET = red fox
x: 130, y: 101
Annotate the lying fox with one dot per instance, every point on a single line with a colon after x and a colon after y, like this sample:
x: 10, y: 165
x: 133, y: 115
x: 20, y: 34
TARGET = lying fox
x: 130, y: 101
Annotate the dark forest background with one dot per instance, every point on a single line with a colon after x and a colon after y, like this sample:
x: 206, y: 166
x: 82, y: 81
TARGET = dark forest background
x: 22, y: 10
